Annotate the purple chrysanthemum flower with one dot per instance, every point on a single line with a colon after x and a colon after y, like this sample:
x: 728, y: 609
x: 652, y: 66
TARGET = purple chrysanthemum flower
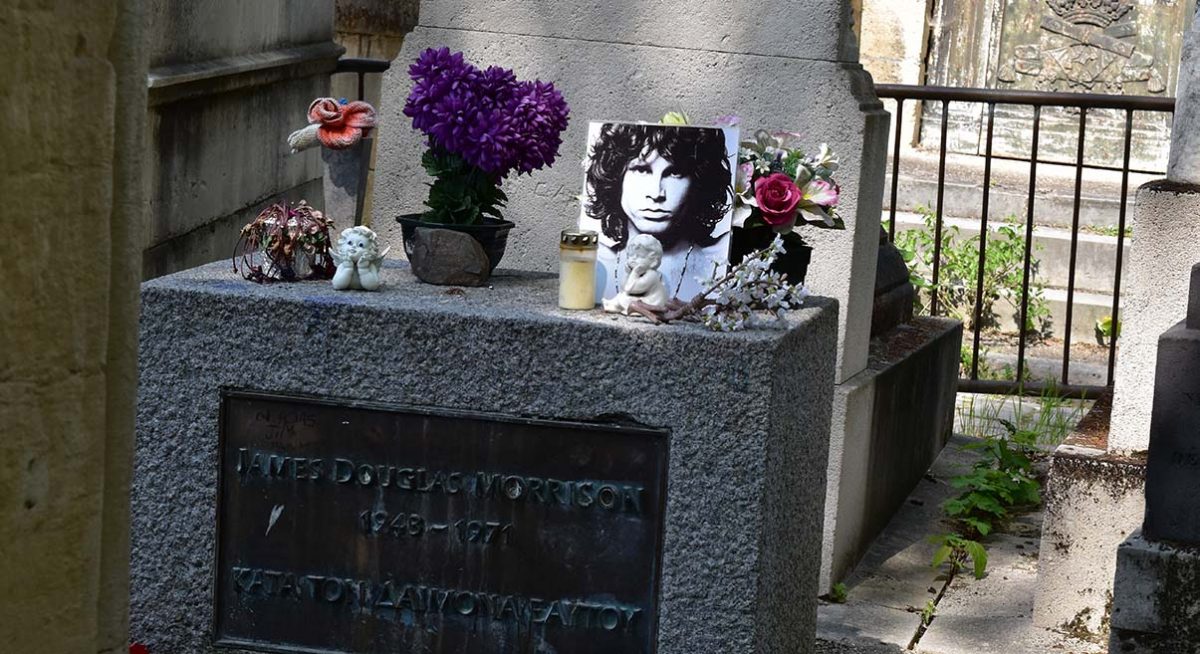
x: 490, y: 119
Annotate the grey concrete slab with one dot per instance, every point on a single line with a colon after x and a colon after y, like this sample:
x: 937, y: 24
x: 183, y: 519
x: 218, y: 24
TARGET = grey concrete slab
x: 816, y: 29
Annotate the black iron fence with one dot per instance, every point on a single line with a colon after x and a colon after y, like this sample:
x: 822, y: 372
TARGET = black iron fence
x: 1039, y: 101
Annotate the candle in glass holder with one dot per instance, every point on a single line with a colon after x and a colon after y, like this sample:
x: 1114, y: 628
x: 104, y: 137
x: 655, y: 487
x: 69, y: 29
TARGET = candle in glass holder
x: 577, y: 269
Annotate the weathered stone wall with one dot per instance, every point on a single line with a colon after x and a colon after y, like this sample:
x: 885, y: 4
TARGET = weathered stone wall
x: 228, y: 82
x: 75, y: 100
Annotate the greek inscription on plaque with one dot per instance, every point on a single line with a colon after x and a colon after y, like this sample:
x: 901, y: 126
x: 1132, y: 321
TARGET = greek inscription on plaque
x: 356, y: 528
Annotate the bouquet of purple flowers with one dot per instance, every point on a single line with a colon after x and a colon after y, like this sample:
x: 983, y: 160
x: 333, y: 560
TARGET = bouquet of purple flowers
x: 481, y: 126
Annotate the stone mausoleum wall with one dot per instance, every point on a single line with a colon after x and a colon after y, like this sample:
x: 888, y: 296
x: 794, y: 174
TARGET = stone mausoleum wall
x: 74, y: 89
x: 228, y: 81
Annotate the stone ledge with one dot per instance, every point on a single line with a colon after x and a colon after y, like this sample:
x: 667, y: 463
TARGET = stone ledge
x: 512, y: 294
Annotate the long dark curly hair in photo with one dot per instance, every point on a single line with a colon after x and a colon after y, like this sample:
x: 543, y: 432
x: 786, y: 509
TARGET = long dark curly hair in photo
x: 697, y: 152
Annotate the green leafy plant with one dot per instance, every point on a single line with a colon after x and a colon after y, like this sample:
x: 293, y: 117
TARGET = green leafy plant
x: 1106, y: 330
x: 958, y: 272
x: 1107, y: 230
x: 460, y: 192
x: 837, y: 594
x: 956, y: 550
x: 928, y: 613
x: 1000, y: 481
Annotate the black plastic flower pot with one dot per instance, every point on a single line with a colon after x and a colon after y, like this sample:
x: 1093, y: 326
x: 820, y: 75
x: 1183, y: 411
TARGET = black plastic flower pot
x: 492, y: 234
x: 793, y: 262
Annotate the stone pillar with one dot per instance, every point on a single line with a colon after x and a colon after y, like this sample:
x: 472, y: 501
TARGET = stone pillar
x: 74, y: 84
x: 1155, y: 595
x: 779, y: 67
x: 1184, y: 162
x: 371, y: 29
x: 1166, y: 241
x: 229, y: 80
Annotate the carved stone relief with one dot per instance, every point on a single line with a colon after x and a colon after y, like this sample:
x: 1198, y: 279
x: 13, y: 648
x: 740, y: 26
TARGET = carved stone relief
x: 1084, y: 46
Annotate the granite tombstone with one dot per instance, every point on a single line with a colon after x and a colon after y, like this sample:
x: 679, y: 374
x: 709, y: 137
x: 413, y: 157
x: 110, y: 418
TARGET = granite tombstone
x: 628, y: 487
x: 1173, y: 465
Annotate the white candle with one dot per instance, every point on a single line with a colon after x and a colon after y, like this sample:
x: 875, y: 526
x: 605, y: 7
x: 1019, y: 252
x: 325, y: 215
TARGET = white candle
x: 577, y: 269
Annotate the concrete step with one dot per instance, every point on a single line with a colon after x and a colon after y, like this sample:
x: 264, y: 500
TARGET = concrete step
x: 1049, y: 208
x: 1086, y: 373
x: 1089, y: 308
x: 1100, y: 192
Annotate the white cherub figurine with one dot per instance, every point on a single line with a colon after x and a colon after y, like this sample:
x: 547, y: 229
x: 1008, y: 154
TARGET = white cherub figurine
x: 358, y: 259
x: 643, y: 283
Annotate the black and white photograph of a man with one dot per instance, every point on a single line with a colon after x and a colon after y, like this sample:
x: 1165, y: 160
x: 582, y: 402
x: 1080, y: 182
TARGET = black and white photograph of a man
x: 672, y: 182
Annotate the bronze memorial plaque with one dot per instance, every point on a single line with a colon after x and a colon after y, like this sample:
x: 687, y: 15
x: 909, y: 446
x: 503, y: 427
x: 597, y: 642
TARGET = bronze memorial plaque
x: 351, y: 527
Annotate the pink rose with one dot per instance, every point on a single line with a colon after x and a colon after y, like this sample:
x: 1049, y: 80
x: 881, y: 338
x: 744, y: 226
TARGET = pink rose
x: 777, y: 196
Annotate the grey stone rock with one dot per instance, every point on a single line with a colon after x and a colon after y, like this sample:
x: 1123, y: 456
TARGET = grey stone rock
x: 748, y: 412
x: 894, y: 293
x: 448, y: 258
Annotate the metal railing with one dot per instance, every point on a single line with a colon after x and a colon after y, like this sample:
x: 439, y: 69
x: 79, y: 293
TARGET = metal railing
x: 1038, y: 101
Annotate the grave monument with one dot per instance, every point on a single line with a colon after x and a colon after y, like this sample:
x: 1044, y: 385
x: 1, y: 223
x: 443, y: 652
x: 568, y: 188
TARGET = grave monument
x: 471, y: 471
x: 1156, y: 595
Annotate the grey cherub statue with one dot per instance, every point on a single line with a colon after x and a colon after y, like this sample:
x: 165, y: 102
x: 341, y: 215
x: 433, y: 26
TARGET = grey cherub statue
x: 358, y: 259
x: 643, y: 286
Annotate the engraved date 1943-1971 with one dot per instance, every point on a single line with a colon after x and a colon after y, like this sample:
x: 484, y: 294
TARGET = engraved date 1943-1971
x: 411, y: 525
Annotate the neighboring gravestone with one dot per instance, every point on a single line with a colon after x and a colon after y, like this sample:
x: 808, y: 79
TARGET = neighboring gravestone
x: 777, y: 65
x: 1156, y: 594
x: 471, y: 470
x: 1094, y: 493
x: 1173, y: 465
